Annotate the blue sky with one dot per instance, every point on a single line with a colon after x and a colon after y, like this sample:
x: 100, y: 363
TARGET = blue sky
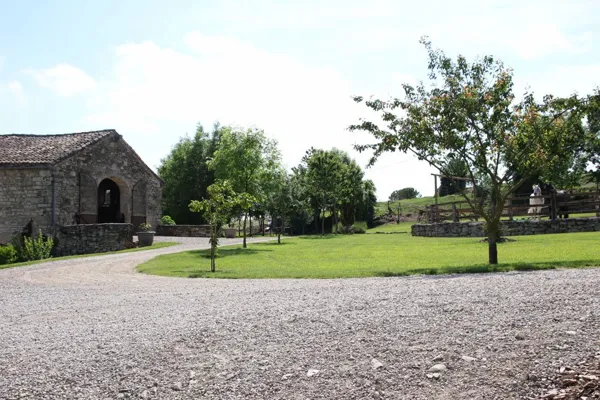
x: 152, y: 69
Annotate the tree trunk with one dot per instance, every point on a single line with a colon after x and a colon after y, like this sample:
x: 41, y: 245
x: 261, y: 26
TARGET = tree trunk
x: 213, y: 246
x: 323, y: 223
x: 251, y: 226
x: 282, y: 226
x: 493, y: 231
x: 335, y: 220
x: 493, y: 248
x: 244, y: 233
x: 263, y: 226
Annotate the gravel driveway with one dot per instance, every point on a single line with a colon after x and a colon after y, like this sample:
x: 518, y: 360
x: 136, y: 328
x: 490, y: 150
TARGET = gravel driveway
x: 92, y: 328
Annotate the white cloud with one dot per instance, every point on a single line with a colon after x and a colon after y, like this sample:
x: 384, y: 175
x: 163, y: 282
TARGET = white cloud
x: 14, y: 90
x: 64, y: 79
x: 157, y: 94
x: 156, y: 89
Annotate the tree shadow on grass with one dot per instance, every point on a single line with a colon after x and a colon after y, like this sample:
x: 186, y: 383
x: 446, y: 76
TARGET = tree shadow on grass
x: 486, y: 268
x: 319, y: 237
x: 207, y: 274
x: 226, y: 252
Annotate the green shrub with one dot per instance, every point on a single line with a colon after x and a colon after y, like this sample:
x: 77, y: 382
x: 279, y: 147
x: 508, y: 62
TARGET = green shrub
x: 359, y: 230
x: 29, y: 249
x: 38, y: 248
x: 8, y: 254
x: 167, y: 220
x: 360, y: 224
x: 144, y: 227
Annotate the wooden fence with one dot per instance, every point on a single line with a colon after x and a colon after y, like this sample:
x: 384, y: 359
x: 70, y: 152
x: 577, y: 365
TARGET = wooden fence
x: 555, y: 206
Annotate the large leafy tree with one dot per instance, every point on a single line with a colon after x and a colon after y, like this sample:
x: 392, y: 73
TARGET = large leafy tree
x: 323, y: 173
x: 186, y: 174
x: 278, y: 198
x: 334, y: 183
x: 301, y: 211
x: 246, y: 157
x: 366, y: 207
x: 469, y: 111
x: 351, y: 190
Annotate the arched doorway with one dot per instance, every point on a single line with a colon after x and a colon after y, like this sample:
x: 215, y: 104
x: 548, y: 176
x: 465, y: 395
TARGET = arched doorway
x: 109, y: 202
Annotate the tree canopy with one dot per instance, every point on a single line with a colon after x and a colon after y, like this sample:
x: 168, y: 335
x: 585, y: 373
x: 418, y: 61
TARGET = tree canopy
x: 469, y: 111
x: 334, y: 183
x: 186, y: 174
x: 247, y: 159
x: 404, y: 194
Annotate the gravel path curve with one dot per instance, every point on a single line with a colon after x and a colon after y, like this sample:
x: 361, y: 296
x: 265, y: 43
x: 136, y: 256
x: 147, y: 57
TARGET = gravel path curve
x: 92, y: 328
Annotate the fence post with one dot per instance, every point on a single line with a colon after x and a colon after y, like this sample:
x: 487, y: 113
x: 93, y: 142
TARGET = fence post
x: 454, y: 213
x: 553, y: 205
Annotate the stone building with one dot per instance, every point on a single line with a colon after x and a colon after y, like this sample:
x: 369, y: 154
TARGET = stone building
x: 77, y: 178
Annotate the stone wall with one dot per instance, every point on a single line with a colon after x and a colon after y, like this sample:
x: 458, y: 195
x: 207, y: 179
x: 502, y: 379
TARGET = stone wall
x: 25, y: 194
x: 92, y: 238
x: 112, y: 158
x: 510, y: 228
x: 183, y: 230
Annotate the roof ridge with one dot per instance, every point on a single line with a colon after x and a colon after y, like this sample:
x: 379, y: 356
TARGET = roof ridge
x: 58, y: 134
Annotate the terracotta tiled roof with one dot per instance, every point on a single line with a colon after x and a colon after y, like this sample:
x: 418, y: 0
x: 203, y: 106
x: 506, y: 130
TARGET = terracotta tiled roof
x: 37, y: 150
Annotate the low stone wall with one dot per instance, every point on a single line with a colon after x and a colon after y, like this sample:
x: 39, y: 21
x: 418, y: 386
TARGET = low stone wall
x: 183, y: 230
x: 511, y: 228
x: 92, y: 238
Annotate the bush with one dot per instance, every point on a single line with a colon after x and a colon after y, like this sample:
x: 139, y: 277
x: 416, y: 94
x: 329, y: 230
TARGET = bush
x: 8, y: 254
x: 29, y: 249
x: 359, y: 230
x: 167, y: 220
x: 144, y: 227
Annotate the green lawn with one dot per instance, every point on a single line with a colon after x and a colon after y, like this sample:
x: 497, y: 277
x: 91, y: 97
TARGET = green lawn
x: 380, y: 255
x: 156, y: 245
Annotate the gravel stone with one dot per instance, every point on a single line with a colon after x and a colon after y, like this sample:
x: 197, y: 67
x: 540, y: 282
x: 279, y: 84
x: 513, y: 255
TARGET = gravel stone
x: 376, y: 364
x: 438, y: 367
x: 87, y: 328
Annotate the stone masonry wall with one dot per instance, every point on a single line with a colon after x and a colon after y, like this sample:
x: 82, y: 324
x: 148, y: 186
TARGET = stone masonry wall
x: 92, y: 238
x: 25, y: 194
x: 110, y: 158
x: 511, y: 228
x: 183, y: 230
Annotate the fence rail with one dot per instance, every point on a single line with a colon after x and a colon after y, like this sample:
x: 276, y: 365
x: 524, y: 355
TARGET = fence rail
x: 554, y: 206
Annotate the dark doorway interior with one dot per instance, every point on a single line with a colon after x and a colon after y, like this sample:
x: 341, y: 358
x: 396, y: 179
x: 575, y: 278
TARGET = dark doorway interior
x: 109, y: 202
